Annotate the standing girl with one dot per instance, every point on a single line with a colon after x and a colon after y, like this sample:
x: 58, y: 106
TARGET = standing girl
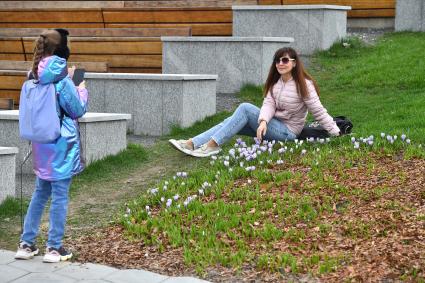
x: 289, y: 93
x: 54, y: 163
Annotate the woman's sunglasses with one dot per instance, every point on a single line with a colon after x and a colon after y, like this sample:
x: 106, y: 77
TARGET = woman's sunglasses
x: 284, y: 60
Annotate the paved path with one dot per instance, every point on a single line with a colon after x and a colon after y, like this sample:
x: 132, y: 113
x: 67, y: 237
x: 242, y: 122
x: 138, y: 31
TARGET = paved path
x: 35, y: 271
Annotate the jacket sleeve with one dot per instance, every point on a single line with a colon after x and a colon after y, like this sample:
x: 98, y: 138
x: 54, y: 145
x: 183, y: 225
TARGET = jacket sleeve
x: 268, y: 109
x: 72, y: 100
x: 319, y: 112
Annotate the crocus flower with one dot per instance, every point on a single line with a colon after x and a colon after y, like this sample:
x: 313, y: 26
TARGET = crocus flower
x: 356, y: 145
x: 226, y: 163
x: 147, y: 208
x: 403, y: 137
x: 162, y: 199
x: 408, y: 141
x: 176, y: 197
x: 249, y: 181
x: 303, y: 152
x: 169, y: 202
x: 279, y: 162
x: 382, y: 135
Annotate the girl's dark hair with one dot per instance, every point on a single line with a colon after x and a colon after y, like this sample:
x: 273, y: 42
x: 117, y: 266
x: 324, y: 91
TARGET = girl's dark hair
x: 298, y: 73
x: 45, y: 45
x: 62, y: 50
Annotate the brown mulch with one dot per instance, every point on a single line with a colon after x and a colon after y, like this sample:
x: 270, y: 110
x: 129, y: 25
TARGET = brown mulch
x: 378, y: 236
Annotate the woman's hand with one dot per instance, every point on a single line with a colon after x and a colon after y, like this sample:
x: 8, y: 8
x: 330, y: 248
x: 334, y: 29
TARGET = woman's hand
x: 261, y: 130
x: 71, y: 71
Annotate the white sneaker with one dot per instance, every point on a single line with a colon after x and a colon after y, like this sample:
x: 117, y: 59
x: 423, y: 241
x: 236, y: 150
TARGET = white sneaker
x: 205, y: 151
x: 56, y: 255
x: 26, y: 251
x: 181, y: 145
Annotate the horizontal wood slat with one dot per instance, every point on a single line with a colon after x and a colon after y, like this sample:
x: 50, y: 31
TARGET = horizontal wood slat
x: 99, y: 67
x: 355, y: 4
x: 11, y: 94
x: 119, y: 60
x: 102, y: 32
x: 372, y: 13
x: 11, y: 46
x: 6, y: 103
x: 51, y: 16
x: 136, y: 70
x: 60, y: 4
x: 165, y: 16
x: 12, y: 56
x: 12, y: 82
x: 207, y: 29
x: 111, y: 46
x: 51, y: 25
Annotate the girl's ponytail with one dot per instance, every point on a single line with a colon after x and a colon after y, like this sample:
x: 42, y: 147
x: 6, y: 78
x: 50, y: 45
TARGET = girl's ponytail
x: 38, y: 55
x: 45, y: 45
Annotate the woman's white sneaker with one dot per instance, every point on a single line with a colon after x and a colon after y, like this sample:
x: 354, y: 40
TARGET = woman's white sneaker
x: 181, y: 145
x: 205, y: 151
x: 56, y: 255
x: 26, y: 251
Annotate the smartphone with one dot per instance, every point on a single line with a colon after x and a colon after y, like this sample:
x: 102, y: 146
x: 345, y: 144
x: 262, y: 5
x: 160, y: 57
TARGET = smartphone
x: 78, y: 76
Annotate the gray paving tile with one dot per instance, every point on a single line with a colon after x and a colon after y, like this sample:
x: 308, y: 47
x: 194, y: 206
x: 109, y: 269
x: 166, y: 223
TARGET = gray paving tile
x: 37, y: 265
x: 9, y: 273
x: 184, y: 280
x: 86, y: 271
x: 135, y: 276
x: 44, y: 278
x: 6, y: 257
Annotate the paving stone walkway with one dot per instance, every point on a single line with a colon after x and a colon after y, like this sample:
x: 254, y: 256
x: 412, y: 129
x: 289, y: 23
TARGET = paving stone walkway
x: 35, y: 271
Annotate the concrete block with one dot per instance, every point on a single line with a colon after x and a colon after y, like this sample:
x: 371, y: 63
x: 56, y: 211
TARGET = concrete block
x: 236, y: 60
x: 155, y: 101
x: 313, y: 27
x: 102, y: 134
x: 410, y: 15
x: 7, y: 172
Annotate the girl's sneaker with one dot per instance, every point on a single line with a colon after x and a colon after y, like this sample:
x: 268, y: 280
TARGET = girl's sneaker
x: 26, y: 251
x: 56, y: 255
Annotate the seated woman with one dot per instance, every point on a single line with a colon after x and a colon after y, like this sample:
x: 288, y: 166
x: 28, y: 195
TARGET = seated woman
x: 289, y: 93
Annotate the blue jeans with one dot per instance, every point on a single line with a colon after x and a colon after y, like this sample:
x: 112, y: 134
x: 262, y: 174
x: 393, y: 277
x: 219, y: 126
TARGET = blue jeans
x: 58, y: 190
x: 244, y: 121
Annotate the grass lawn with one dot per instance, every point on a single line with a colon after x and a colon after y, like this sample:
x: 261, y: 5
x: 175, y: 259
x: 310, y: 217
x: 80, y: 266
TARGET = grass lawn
x: 347, y: 209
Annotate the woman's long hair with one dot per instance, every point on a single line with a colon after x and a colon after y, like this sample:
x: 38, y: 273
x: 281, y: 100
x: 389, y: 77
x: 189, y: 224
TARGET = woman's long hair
x: 298, y: 73
x: 45, y: 45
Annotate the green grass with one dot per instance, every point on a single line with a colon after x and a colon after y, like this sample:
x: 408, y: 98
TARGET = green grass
x: 380, y: 88
x: 11, y: 207
x: 111, y: 167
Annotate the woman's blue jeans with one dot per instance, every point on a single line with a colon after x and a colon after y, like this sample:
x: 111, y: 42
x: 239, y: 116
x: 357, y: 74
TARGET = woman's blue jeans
x: 58, y: 191
x: 244, y: 121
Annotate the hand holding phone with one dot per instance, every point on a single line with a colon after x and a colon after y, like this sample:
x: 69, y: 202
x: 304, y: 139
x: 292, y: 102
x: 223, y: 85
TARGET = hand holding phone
x: 78, y: 76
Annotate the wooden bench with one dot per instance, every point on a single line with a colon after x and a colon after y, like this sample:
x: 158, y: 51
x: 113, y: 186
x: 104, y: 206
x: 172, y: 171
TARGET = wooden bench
x: 124, y: 49
x: 123, y: 54
x: 14, y: 73
x: 360, y: 8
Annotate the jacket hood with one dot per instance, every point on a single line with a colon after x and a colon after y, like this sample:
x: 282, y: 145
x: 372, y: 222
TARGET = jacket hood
x: 52, y: 69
